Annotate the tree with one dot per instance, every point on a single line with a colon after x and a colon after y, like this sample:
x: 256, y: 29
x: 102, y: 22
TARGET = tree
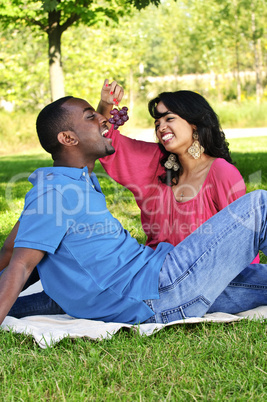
x: 257, y: 32
x: 243, y: 24
x: 54, y: 17
x: 24, y: 79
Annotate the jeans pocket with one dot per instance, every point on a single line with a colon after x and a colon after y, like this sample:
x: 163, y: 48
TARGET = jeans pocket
x: 194, y: 308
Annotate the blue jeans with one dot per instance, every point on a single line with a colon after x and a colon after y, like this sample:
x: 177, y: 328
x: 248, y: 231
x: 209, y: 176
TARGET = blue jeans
x: 208, y: 271
x: 35, y: 304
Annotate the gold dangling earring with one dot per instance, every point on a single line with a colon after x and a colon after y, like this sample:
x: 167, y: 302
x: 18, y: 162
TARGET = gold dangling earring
x: 195, y: 150
x: 172, y: 163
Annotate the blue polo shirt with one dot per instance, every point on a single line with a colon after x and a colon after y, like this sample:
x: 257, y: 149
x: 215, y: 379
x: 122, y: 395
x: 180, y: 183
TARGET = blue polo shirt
x: 92, y: 268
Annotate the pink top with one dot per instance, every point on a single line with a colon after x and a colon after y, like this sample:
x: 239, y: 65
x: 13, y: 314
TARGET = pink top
x: 136, y: 165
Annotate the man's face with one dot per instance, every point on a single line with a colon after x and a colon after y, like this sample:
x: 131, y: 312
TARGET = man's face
x: 90, y: 128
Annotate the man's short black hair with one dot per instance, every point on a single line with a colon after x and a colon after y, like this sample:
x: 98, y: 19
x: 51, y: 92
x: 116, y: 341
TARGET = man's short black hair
x: 53, y: 119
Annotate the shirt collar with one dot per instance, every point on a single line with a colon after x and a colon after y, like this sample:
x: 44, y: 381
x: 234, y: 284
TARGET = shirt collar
x: 73, y: 173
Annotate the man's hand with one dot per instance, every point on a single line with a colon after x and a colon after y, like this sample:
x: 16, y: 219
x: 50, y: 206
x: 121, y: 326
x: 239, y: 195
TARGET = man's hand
x: 111, y: 94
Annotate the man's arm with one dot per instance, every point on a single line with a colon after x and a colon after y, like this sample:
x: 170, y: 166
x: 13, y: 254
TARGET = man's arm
x: 111, y: 94
x: 7, y: 249
x: 15, y: 276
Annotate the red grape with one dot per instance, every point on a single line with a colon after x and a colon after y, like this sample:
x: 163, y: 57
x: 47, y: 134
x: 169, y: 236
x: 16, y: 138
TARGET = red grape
x: 118, y: 117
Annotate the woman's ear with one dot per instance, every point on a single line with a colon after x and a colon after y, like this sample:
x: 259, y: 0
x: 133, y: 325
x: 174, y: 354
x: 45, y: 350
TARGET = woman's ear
x: 67, y: 138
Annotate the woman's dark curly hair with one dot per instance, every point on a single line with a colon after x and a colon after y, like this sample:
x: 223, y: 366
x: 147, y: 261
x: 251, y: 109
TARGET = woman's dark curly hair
x: 193, y: 108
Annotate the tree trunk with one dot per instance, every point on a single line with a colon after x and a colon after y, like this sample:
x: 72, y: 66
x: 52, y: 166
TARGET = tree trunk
x: 238, y: 82
x: 259, y: 89
x: 54, y: 53
x: 260, y: 66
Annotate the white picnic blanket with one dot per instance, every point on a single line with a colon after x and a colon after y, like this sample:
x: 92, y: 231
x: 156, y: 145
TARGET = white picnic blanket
x: 48, y: 330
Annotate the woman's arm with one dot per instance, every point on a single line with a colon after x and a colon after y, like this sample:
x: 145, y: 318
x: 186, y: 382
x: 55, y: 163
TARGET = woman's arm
x: 135, y: 164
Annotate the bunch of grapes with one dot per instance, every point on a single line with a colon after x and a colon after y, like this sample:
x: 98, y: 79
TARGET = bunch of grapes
x: 118, y: 117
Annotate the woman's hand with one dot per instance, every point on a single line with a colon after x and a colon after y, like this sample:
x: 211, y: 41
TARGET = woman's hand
x: 112, y: 93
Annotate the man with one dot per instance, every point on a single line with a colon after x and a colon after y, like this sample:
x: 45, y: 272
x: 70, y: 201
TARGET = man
x: 92, y: 268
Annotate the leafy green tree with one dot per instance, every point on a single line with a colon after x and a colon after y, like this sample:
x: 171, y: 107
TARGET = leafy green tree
x: 24, y: 78
x: 255, y: 32
x: 177, y: 38
x: 54, y: 17
x: 243, y: 34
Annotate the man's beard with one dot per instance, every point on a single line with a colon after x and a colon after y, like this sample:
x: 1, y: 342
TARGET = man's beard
x: 109, y: 151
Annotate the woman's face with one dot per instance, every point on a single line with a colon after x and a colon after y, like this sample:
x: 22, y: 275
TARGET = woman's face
x: 173, y: 132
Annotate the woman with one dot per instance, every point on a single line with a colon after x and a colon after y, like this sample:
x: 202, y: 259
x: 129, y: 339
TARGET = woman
x: 183, y: 180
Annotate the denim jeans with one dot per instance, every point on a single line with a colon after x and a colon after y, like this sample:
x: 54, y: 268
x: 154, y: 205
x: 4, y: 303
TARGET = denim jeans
x: 208, y: 271
x: 35, y: 304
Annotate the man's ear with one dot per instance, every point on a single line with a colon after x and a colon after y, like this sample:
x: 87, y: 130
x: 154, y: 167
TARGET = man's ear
x: 67, y: 138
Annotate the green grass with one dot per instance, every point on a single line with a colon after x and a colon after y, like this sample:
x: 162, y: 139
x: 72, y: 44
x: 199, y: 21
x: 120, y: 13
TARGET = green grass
x: 17, y: 131
x: 250, y: 157
x: 207, y: 361
x: 240, y: 115
x: 184, y: 363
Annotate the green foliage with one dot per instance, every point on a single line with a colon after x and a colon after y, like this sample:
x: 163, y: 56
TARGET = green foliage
x: 173, y: 40
x: 54, y: 17
x: 36, y: 13
x: 50, y: 5
x: 24, y: 69
x: 139, y: 4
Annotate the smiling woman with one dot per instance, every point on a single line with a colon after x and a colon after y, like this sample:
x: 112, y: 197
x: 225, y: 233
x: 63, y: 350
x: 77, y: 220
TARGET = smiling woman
x: 183, y: 180
x: 196, y: 121
x: 173, y: 132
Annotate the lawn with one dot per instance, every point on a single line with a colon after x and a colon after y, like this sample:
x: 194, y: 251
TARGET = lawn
x: 205, y: 361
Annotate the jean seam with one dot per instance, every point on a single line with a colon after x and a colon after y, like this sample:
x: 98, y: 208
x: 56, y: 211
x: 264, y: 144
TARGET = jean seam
x: 244, y: 285
x: 200, y: 297
x: 185, y: 305
x: 175, y: 283
x: 149, y: 304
